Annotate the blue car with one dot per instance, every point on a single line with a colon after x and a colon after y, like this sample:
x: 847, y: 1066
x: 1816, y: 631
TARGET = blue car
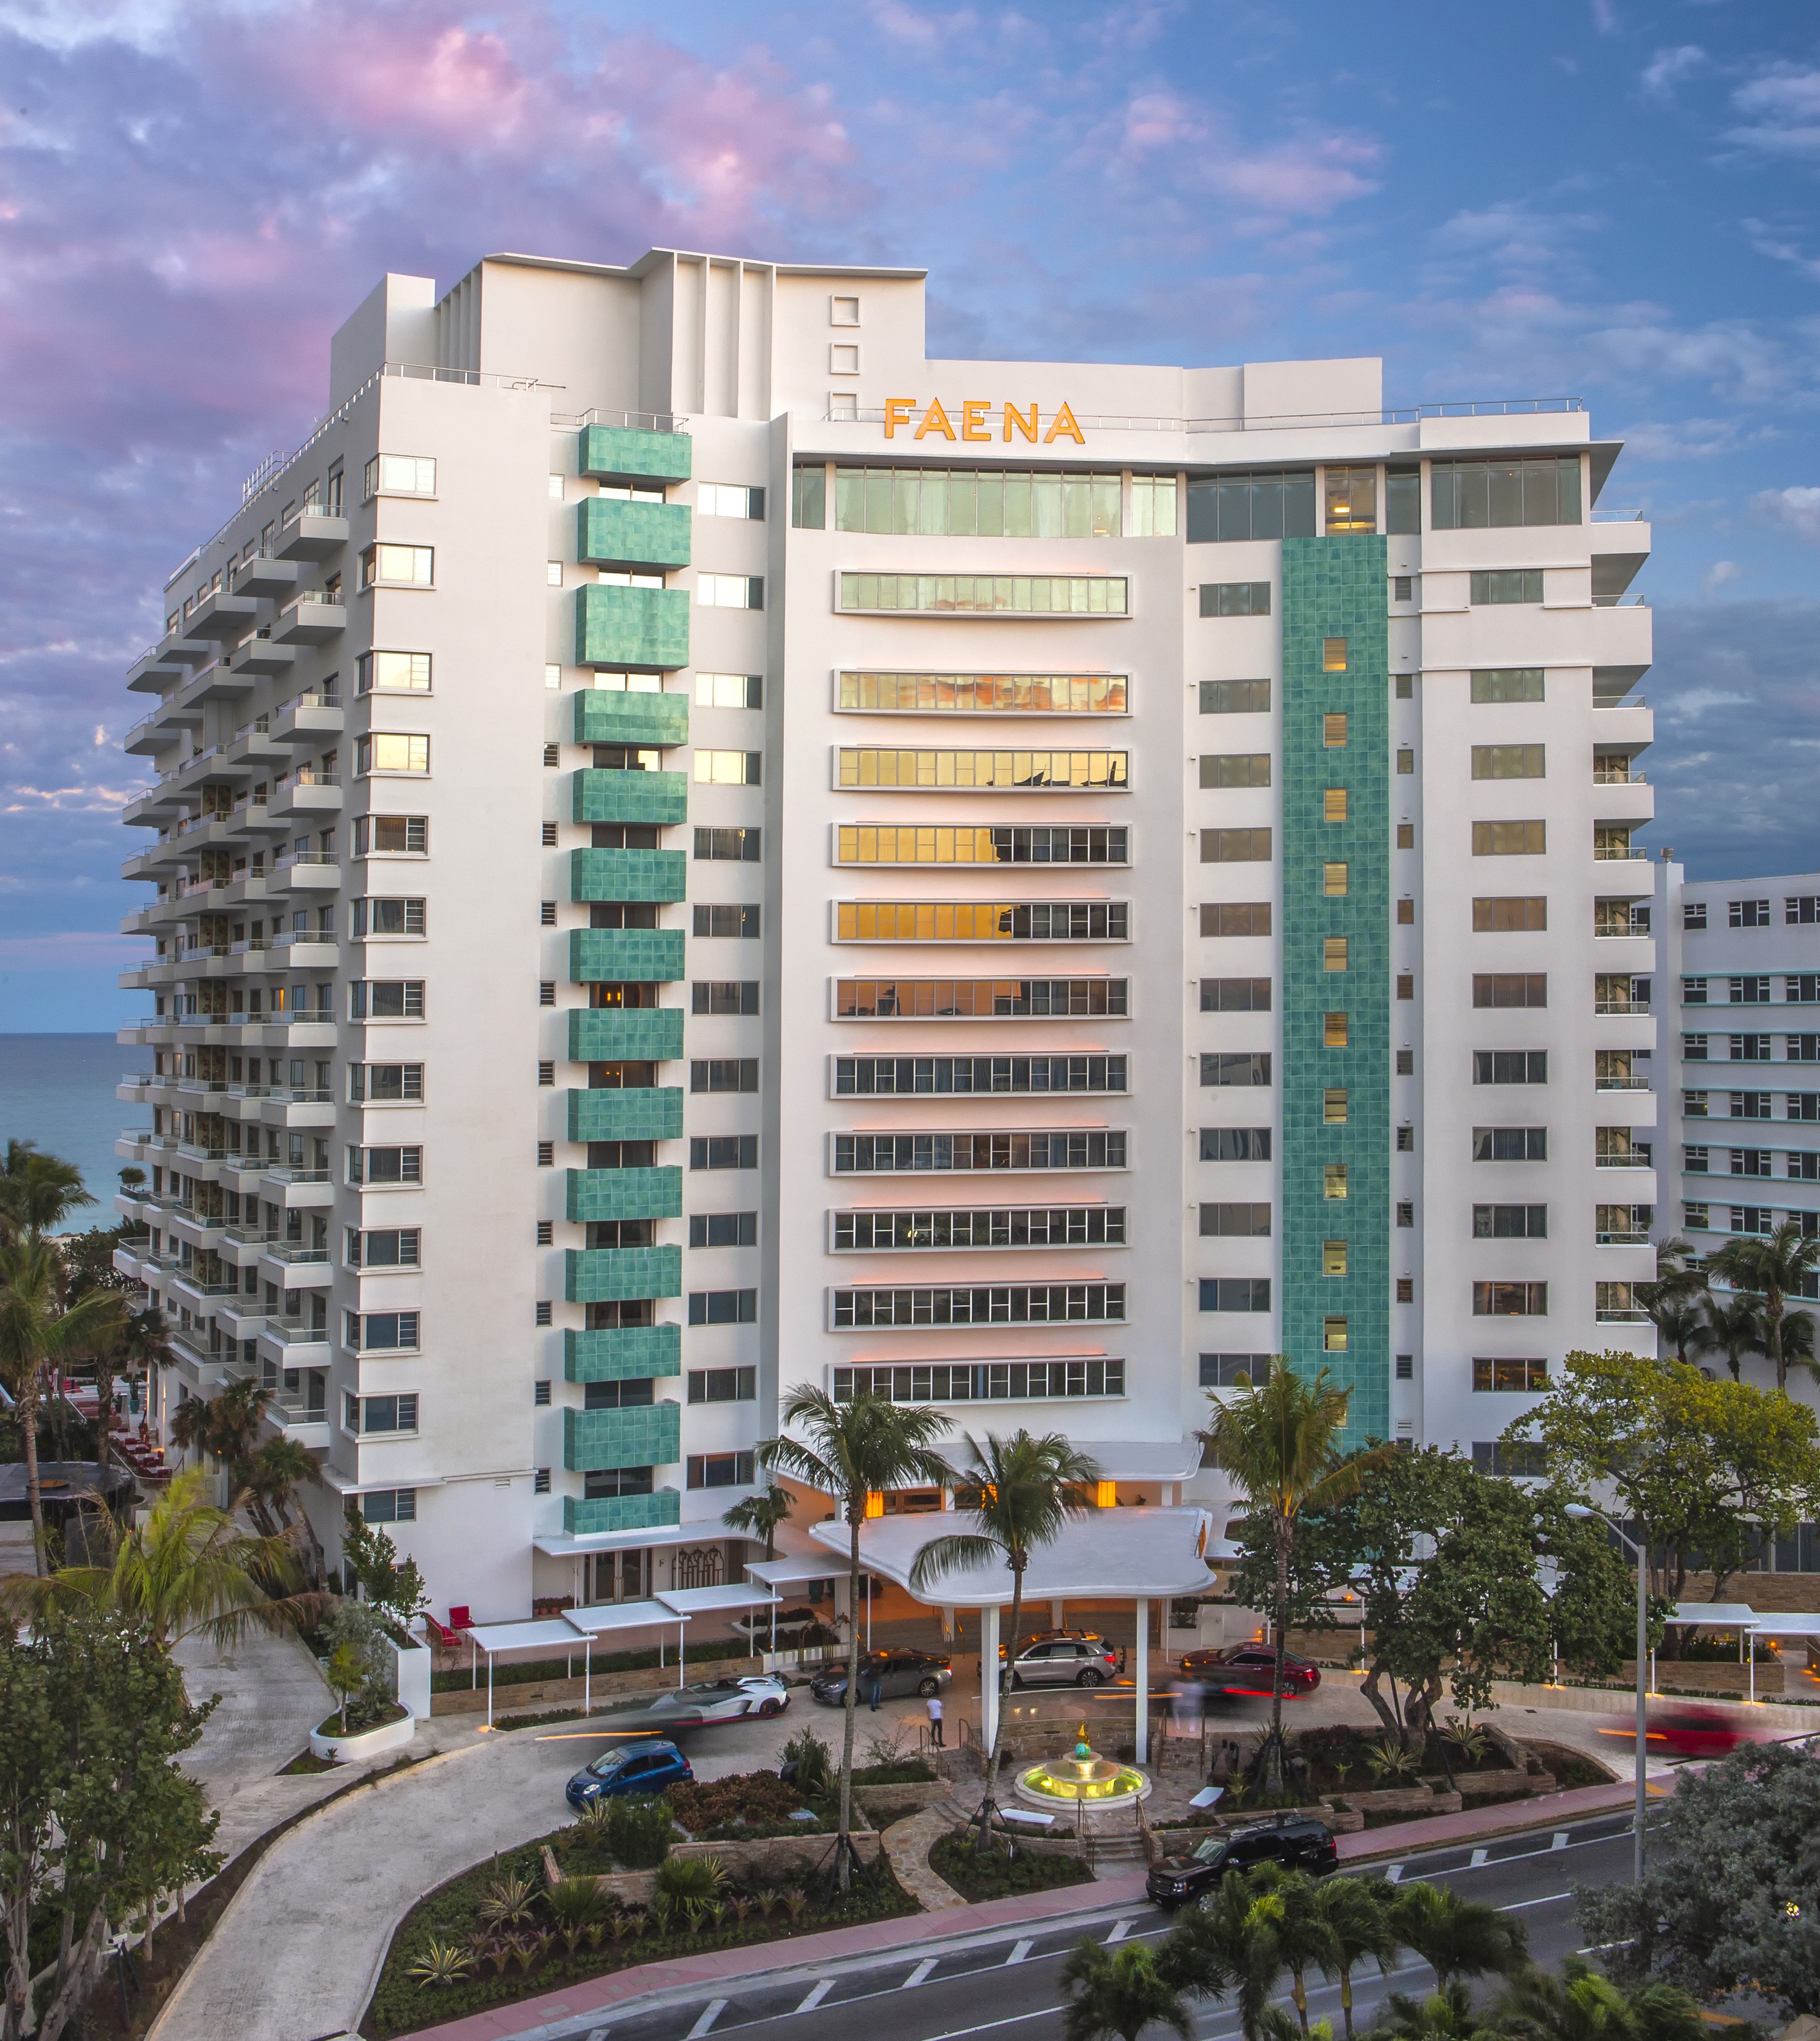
x: 646, y: 1766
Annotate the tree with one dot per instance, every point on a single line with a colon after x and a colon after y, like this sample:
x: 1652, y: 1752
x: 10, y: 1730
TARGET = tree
x: 35, y: 1329
x: 1225, y: 1944
x: 1118, y: 1992
x: 1782, y: 1265
x: 1278, y: 1442
x: 395, y: 1587
x: 1726, y: 1901
x: 1456, y: 1937
x: 1288, y: 1903
x: 760, y: 1516
x: 37, y: 1191
x: 146, y: 1344
x: 1442, y: 2016
x: 1358, y: 1917
x: 1581, y: 2005
x: 1019, y: 1491
x: 850, y: 1450
x: 1681, y: 1322
x: 1735, y: 1329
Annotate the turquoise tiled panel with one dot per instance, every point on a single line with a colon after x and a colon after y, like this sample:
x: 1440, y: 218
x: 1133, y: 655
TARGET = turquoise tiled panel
x: 622, y: 1512
x: 641, y: 630
x: 624, y: 1194
x: 610, y: 1115
x: 627, y: 875
x: 604, y: 1275
x: 630, y: 797
x: 624, y: 1034
x: 611, y: 715
x: 611, y: 532
x: 651, y: 1435
x: 617, y: 453
x: 1336, y: 588
x: 614, y: 955
x: 625, y: 1354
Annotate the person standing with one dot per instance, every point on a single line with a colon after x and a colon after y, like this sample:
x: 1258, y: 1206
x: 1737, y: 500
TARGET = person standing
x: 935, y: 1740
x: 875, y: 1682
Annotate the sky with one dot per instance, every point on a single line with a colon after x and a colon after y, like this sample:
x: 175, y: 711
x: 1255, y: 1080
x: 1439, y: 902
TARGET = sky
x: 1604, y: 198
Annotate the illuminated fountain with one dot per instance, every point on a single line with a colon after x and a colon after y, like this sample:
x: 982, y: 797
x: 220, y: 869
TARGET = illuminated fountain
x: 1083, y: 1780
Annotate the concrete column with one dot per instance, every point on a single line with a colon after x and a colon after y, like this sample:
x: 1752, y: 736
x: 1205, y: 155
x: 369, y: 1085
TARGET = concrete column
x: 948, y: 1622
x: 1056, y: 1619
x: 1143, y: 1738
x: 988, y: 1673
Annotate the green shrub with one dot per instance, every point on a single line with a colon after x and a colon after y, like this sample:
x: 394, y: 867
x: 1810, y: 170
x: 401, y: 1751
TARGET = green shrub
x: 639, y: 1831
x: 815, y: 1762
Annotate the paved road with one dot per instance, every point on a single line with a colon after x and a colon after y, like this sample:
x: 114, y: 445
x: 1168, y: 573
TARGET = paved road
x: 1006, y: 1984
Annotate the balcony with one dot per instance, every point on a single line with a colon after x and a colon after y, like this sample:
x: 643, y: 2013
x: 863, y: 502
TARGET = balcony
x: 624, y: 453
x: 635, y: 630
x: 1633, y: 1006
x: 627, y: 875
x: 626, y: 1353
x: 222, y: 616
x: 313, y: 619
x: 305, y: 799
x: 312, y: 536
x: 653, y: 1114
x: 630, y: 797
x: 604, y: 1194
x: 219, y: 682
x: 624, y: 1034
x: 615, y: 716
x: 656, y: 1512
x: 310, y: 716
x: 634, y: 955
x: 1615, y: 1239
x: 630, y: 536
x: 1621, y: 1084
x: 264, y: 656
x: 305, y: 875
x: 1642, y: 1157
x: 153, y: 670
x: 265, y: 575
x: 647, y: 1435
x: 607, y: 1275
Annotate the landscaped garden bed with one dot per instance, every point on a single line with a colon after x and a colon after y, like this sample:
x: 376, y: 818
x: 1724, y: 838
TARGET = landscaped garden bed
x: 1003, y: 1869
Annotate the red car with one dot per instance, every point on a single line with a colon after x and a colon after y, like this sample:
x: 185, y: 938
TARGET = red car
x: 1695, y: 1732
x: 1247, y: 1670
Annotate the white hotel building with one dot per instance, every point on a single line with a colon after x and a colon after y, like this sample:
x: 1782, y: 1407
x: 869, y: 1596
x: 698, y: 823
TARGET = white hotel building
x: 696, y: 849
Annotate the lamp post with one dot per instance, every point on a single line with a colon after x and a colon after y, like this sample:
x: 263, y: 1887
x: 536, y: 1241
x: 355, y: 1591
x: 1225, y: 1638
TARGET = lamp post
x: 1582, y: 1511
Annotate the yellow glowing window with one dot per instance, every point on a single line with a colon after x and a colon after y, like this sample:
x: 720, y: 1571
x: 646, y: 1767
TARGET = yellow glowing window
x: 1336, y: 804
x: 1334, y: 731
x: 1332, y: 655
x: 1334, y: 1106
x: 1333, y: 953
x: 1334, y: 1335
x: 1334, y: 1181
x: 1334, y: 881
x: 1334, y: 1031
x: 1105, y: 1494
x: 1333, y: 1257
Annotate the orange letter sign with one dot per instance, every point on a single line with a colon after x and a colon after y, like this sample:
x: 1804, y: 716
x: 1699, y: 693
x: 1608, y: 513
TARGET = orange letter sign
x: 1064, y: 427
x: 973, y: 425
x: 935, y: 420
x: 1014, y: 417
x: 897, y: 413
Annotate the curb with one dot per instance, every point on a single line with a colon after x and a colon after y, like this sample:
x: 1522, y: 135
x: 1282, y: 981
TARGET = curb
x: 1484, y: 1824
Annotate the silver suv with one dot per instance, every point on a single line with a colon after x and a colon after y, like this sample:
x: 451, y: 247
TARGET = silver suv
x: 1076, y: 1661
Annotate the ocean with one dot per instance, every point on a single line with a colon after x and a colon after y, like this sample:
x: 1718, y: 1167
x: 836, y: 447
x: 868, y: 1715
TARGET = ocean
x: 58, y: 1090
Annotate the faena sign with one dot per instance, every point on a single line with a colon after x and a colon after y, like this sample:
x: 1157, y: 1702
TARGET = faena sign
x: 976, y: 424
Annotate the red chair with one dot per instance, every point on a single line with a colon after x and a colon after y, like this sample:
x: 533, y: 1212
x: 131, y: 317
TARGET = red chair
x: 459, y: 1617
x: 449, y: 1639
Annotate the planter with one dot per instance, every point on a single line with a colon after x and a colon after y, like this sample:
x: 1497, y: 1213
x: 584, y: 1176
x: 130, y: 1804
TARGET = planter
x: 913, y: 1793
x: 413, y: 1662
x: 368, y: 1743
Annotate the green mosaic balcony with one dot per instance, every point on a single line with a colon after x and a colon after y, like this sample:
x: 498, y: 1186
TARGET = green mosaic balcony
x: 624, y: 1194
x: 608, y: 1275
x: 627, y: 875
x: 621, y: 1512
x: 611, y: 532
x: 609, y: 1115
x: 611, y: 715
x: 619, y: 956
x: 634, y: 630
x: 626, y: 1353
x: 649, y: 1435
x: 617, y: 453
x: 624, y: 1034
x: 630, y: 797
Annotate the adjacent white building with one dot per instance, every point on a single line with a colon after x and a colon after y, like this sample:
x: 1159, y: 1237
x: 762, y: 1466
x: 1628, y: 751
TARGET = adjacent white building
x: 697, y: 850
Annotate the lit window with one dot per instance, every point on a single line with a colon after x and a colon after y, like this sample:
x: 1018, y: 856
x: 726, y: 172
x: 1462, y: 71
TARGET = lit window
x: 398, y: 567
x: 1334, y: 1335
x: 403, y: 474
x: 1334, y: 804
x: 394, y: 672
x: 1332, y: 655
x: 1334, y: 881
x: 1334, y: 1106
x: 1334, y: 731
x: 1334, y: 1031
x: 1333, y: 1257
x: 553, y: 572
x: 1333, y: 953
x: 392, y: 751
x: 1334, y: 1181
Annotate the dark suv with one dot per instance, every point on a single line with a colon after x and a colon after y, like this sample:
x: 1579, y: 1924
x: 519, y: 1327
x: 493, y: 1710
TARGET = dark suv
x: 1297, y: 1845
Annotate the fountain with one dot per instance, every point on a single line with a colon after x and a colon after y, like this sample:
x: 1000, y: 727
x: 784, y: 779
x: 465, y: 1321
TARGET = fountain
x: 1085, y: 1779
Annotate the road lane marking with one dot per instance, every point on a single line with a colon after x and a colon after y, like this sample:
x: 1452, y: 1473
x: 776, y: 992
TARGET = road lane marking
x: 706, y: 2018
x: 920, y: 1973
x: 1120, y: 1929
x: 1560, y: 1841
x: 816, y: 1993
x: 986, y: 2026
x: 1480, y: 1855
x: 1394, y: 1874
x: 1019, y: 1951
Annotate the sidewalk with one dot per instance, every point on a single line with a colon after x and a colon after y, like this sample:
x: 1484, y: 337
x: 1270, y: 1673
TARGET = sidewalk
x: 1483, y: 1824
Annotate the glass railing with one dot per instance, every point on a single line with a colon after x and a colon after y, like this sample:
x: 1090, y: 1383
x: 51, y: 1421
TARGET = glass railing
x: 1621, y: 1084
x: 1618, y: 775
x: 1619, y: 1006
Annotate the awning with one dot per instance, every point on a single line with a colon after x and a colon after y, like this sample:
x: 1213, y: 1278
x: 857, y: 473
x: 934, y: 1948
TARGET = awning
x: 542, y: 1634
x: 1793, y: 1623
x: 560, y: 1545
x: 1716, y: 1614
x: 795, y: 1572
x: 599, y: 1616
x: 1143, y: 1460
x: 718, y: 1600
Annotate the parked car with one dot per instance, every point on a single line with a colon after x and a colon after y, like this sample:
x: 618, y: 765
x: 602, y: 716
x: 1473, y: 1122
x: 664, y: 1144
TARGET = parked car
x: 899, y: 1672
x: 645, y: 1766
x: 1066, y: 1659
x: 1241, y: 1669
x: 1301, y: 1845
x: 711, y: 1701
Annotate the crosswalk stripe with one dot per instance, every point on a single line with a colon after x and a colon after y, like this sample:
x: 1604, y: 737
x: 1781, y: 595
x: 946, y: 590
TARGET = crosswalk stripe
x: 1479, y: 1856
x: 1019, y: 1951
x: 920, y: 1973
x: 1120, y: 1929
x: 1394, y: 1874
x: 817, y: 1991
x: 1560, y: 1841
x: 706, y: 2018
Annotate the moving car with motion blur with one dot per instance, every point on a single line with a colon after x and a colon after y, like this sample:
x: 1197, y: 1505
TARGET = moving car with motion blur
x: 1300, y: 1844
x: 713, y: 1701
x: 1239, y: 1671
x: 646, y: 1765
x: 1695, y: 1732
x: 898, y: 1673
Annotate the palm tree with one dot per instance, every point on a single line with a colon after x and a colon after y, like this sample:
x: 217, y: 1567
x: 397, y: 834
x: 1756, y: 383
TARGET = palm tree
x: 1225, y: 1945
x: 1443, y: 2016
x: 1118, y: 1992
x: 272, y: 1472
x: 1022, y: 1490
x: 145, y: 1344
x: 1455, y: 1937
x: 35, y: 1329
x: 1581, y: 2005
x: 1734, y: 1329
x: 1289, y: 1902
x: 1279, y: 1443
x: 1678, y: 1320
x: 852, y: 1450
x: 1798, y: 1342
x: 36, y: 1191
x: 1358, y: 1919
x: 759, y: 1515
x: 188, y: 1425
x: 1776, y: 1267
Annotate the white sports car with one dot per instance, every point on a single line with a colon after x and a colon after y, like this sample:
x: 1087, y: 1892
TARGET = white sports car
x: 713, y: 1701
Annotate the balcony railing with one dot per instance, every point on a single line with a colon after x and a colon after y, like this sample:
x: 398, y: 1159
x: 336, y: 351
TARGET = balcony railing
x: 249, y: 1236
x: 1621, y: 602
x: 1609, y: 1316
x: 1618, y: 775
x: 1620, y: 1006
x: 294, y: 1252
x: 1621, y: 1240
x: 1621, y: 1084
x: 296, y: 1332
x: 1605, y: 853
x: 1638, y: 1159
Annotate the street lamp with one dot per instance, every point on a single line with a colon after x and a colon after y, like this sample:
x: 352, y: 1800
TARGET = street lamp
x: 1582, y: 1511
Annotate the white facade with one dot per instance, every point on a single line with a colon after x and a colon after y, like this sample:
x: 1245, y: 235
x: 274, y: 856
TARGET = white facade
x: 1119, y: 730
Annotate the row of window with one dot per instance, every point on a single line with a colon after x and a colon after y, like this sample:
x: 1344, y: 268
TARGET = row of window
x: 1493, y: 684
x: 1799, y: 911
x: 985, y: 694
x: 1756, y: 1219
x: 1751, y: 1048
x: 982, y: 1381
x: 944, y: 998
x: 1087, y: 844
x: 974, y: 921
x: 983, y: 1304
x: 1755, y: 1104
x: 866, y: 1076
x: 1800, y: 988
x: 1016, y: 1226
x: 980, y: 772
x: 1799, y: 1165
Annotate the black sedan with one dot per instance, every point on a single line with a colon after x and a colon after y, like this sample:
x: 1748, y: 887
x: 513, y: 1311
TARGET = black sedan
x: 897, y: 1673
x: 1300, y: 1844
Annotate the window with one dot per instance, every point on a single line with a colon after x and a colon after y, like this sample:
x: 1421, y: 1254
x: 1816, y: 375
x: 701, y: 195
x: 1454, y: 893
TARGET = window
x: 1510, y: 839
x: 1226, y: 507
x: 983, y: 694
x: 723, y: 1385
x: 1406, y: 836
x: 1477, y: 495
x: 1509, y: 761
x: 728, y: 768
x: 1802, y: 908
x: 1405, y: 1140
x: 1693, y: 914
x: 1520, y: 1458
x: 1507, y: 683
x: 1335, y: 1106
x: 980, y: 772
x: 1235, y: 995
x: 723, y: 1230
x: 1509, y: 1300
x: 1333, y: 1257
x: 389, y: 1505
x: 1405, y: 760
x: 385, y: 917
x: 393, y: 672
x: 1235, y: 768
x: 602, y: 1484
x: 1235, y: 1144
x: 1334, y: 1031
x: 1507, y: 585
x: 928, y: 1076
x: 397, y: 1247
x: 873, y: 845
x: 1153, y: 506
x: 1235, y: 598
x: 809, y: 498
x: 1239, y: 1067
x: 1751, y: 1162
x: 1235, y: 1221
x: 1751, y: 1048
x: 1334, y: 730
x: 1803, y: 1048
x: 401, y: 474
x: 1694, y: 1048
x: 722, y: 499
x: 1406, y: 1211
x: 398, y: 567
x: 736, y: 846
x: 968, y: 921
x: 1234, y: 697
x: 1352, y: 494
x: 1233, y: 1371
x: 553, y: 572
x: 719, y: 1470
x: 383, y: 1413
x: 1753, y: 991
x: 1236, y: 917
x: 724, y: 1307
x: 1333, y: 953
x: 724, y: 1073
x: 1751, y: 1105
x: 1747, y: 913
x: 1510, y: 988
x: 1235, y: 1293
x: 1403, y: 507
x: 888, y: 1154
x: 1509, y: 913
x: 724, y: 996
x: 1801, y: 988
x: 385, y: 1083
x: 381, y: 1332
x: 973, y: 595
x: 983, y: 1304
x: 1509, y: 1066
x: 982, y: 999
x: 387, y: 751
x: 1510, y: 1144
x: 386, y: 999
x: 1405, y: 1063
x: 1510, y: 1222
x: 733, y: 1151
x: 1804, y: 1105
x: 1333, y: 804
x: 375, y: 1168
x: 1235, y: 846
x: 988, y: 503
x: 721, y: 591
x: 1332, y: 655
x: 729, y: 691
x: 1334, y: 1335
x: 1403, y: 586
x: 738, y: 921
